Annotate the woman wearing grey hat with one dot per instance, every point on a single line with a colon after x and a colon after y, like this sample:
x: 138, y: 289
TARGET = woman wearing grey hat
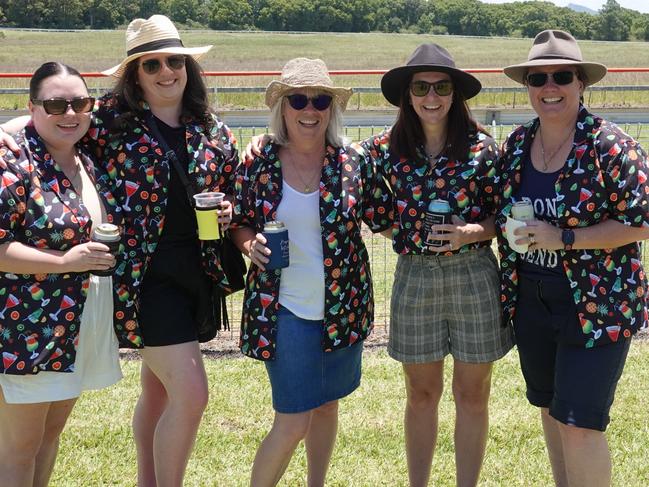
x: 445, y: 291
x: 308, y: 317
x: 572, y: 279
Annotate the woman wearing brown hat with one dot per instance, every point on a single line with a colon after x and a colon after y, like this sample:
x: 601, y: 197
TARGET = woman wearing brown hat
x: 576, y: 292
x: 445, y: 291
x: 307, y: 320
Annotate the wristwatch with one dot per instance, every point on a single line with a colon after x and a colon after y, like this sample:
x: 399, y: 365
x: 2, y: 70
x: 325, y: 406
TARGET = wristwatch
x: 568, y: 238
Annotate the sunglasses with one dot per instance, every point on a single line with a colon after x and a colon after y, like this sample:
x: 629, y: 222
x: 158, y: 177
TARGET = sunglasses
x: 422, y: 88
x: 319, y: 102
x: 58, y: 106
x: 152, y: 66
x: 560, y: 78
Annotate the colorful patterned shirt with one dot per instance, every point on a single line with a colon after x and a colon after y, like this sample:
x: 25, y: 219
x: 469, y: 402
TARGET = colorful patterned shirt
x: 350, y: 192
x: 140, y: 174
x: 40, y: 314
x: 468, y: 185
x: 605, y: 177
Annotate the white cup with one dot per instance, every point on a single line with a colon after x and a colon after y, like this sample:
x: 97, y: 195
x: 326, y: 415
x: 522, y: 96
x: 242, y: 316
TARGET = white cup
x: 510, y: 226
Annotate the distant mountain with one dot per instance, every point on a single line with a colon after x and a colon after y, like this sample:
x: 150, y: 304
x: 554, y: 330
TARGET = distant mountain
x: 580, y: 8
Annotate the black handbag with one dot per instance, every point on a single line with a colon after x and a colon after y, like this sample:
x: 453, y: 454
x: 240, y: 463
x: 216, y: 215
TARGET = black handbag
x: 212, y: 312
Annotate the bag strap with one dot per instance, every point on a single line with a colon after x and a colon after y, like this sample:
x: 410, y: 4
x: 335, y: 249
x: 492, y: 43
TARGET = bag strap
x: 171, y: 156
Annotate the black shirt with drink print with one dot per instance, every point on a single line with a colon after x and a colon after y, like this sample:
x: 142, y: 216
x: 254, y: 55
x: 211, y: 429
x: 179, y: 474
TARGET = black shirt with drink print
x: 538, y: 188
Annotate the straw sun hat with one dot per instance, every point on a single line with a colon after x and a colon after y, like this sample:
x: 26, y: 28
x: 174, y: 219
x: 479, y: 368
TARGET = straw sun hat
x: 157, y: 34
x: 305, y: 73
x: 552, y: 48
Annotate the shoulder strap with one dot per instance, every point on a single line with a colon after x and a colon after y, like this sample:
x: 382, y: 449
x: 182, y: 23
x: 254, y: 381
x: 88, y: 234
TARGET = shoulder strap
x: 171, y: 156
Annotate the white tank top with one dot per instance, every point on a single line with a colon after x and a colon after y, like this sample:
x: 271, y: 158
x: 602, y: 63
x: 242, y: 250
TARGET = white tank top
x: 302, y: 285
x: 90, y: 198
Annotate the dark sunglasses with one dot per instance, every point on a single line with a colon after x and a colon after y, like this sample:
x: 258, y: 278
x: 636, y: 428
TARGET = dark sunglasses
x: 422, y: 88
x: 560, y: 77
x: 319, y: 102
x: 152, y: 66
x: 58, y: 106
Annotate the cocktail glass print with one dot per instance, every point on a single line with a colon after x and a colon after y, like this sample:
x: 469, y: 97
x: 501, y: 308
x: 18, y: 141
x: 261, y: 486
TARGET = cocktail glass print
x: 12, y: 302
x: 265, y: 300
x: 149, y: 174
x: 594, y: 280
x: 37, y: 293
x: 642, y: 178
x: 584, y: 195
x: 31, y: 344
x: 267, y: 206
x: 587, y: 327
x: 66, y: 302
x: 461, y: 198
x: 635, y: 266
x: 8, y: 360
x: 579, y: 152
x: 401, y: 206
x: 131, y: 188
x: 261, y: 343
x: 585, y: 255
x: 609, y: 265
x: 136, y: 273
x: 59, y: 219
x: 613, y: 332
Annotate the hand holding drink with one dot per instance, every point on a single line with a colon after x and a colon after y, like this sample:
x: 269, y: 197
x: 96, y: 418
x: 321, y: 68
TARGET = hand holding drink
x: 522, y: 212
x: 206, y: 207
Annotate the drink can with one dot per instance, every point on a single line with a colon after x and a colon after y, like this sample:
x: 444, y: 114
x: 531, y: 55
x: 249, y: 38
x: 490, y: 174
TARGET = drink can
x: 276, y: 235
x: 108, y: 234
x: 438, y: 212
x: 523, y: 211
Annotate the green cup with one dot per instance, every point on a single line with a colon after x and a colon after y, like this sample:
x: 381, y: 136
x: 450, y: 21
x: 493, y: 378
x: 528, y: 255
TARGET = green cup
x: 206, y: 207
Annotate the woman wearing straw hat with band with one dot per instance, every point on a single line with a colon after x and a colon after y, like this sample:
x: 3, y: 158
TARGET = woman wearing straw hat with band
x: 445, y: 291
x: 576, y: 292
x: 307, y: 321
x: 160, y: 104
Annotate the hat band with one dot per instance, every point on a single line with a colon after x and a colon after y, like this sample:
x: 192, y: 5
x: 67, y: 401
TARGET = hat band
x: 155, y: 46
x: 558, y: 56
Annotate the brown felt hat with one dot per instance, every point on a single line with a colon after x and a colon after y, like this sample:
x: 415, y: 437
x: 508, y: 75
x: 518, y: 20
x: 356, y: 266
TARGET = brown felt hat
x: 428, y: 57
x: 552, y: 48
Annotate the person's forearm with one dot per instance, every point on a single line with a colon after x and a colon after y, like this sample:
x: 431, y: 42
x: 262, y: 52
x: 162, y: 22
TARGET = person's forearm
x: 15, y: 125
x: 481, y: 231
x: 19, y: 258
x: 608, y: 235
x: 243, y: 238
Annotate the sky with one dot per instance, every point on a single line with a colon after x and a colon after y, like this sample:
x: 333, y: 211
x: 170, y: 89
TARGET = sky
x: 639, y: 5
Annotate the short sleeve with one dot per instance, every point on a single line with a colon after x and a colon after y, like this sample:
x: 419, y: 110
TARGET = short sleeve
x: 13, y: 196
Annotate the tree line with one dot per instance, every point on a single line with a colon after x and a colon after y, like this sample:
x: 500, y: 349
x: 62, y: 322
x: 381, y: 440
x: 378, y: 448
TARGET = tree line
x: 457, y: 17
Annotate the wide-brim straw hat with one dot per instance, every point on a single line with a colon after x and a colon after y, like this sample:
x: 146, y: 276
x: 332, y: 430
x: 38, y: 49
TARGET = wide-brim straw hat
x: 428, y: 57
x: 157, y: 34
x: 552, y: 48
x: 302, y: 72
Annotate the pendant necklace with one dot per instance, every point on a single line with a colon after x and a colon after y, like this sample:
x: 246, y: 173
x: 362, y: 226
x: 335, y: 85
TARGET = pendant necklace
x: 548, y: 160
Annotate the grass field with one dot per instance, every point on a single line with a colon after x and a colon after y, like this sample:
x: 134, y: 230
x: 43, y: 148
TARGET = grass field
x: 97, y: 447
x: 23, y: 51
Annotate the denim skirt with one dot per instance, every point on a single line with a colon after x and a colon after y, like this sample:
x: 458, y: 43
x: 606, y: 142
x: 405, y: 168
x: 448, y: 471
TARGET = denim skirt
x: 303, y: 376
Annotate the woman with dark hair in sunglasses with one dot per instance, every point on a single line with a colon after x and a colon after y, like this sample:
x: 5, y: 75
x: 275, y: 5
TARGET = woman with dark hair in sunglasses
x: 573, y: 284
x: 56, y: 326
x: 308, y: 320
x: 441, y: 164
x: 165, y: 273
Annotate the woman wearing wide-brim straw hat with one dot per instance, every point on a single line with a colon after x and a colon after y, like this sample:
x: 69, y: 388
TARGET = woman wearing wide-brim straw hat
x: 445, y: 291
x: 576, y: 292
x: 307, y: 321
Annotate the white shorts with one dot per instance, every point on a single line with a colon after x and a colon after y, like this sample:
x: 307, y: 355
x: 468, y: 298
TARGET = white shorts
x: 97, y: 362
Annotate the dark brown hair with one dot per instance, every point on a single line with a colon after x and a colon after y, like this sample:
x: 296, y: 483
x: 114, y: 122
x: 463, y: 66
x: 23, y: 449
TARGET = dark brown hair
x: 195, y: 104
x: 47, y: 70
x: 408, y: 134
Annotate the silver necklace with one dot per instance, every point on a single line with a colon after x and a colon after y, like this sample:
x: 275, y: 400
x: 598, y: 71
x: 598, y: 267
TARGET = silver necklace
x: 548, y: 160
x: 306, y: 185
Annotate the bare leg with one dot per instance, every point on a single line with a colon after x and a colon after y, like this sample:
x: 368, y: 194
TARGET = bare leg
x: 22, y: 427
x: 319, y: 442
x: 471, y: 387
x: 275, y: 452
x: 555, y: 448
x: 588, y: 459
x: 150, y: 406
x: 180, y: 370
x: 57, y: 416
x: 424, y: 386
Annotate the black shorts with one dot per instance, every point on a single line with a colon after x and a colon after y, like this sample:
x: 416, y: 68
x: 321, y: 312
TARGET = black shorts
x: 577, y: 384
x: 169, y: 297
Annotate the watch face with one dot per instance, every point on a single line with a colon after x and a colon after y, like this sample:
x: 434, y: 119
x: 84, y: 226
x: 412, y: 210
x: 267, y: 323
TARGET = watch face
x: 568, y: 238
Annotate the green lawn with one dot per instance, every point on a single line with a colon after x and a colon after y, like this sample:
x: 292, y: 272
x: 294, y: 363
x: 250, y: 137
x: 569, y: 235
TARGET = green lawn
x: 97, y: 447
